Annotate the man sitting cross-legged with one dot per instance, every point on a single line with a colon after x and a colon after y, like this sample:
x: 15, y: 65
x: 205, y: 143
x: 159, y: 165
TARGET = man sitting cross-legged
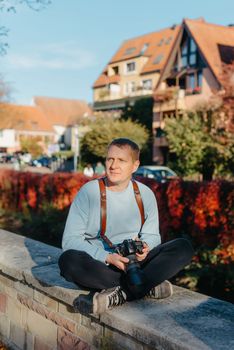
x: 111, y: 240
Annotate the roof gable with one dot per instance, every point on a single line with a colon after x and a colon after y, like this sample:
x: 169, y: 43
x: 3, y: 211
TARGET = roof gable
x: 63, y: 112
x: 208, y: 38
x: 26, y: 118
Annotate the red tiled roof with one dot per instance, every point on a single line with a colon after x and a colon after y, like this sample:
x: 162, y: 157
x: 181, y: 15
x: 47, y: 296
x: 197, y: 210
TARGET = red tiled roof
x: 103, y: 80
x: 208, y: 38
x: 159, y: 46
x: 63, y: 112
x: 26, y: 118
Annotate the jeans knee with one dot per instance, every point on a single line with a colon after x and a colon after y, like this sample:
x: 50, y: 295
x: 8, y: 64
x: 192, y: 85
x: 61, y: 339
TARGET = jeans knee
x: 185, y: 248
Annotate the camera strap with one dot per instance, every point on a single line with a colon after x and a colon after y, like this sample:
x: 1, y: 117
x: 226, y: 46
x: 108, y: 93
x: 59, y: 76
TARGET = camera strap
x: 102, y: 187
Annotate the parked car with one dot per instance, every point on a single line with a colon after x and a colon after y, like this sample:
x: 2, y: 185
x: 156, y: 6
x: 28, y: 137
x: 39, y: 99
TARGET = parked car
x: 158, y: 172
x: 42, y: 161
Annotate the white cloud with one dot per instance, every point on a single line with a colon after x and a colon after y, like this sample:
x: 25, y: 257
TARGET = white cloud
x: 65, y: 56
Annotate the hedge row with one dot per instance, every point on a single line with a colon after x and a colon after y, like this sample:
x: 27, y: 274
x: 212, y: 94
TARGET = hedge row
x: 201, y: 210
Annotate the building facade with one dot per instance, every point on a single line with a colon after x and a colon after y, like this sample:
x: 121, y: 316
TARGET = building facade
x: 134, y: 70
x: 179, y: 67
x: 191, y: 76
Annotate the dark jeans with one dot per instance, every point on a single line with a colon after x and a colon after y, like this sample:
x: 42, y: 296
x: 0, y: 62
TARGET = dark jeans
x: 162, y: 262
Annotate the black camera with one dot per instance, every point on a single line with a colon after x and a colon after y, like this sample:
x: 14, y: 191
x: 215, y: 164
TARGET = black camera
x: 128, y: 248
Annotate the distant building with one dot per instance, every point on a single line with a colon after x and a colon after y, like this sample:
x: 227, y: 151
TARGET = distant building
x: 23, y: 122
x: 134, y: 70
x: 65, y: 115
x: 178, y: 66
x: 52, y: 122
x: 190, y: 75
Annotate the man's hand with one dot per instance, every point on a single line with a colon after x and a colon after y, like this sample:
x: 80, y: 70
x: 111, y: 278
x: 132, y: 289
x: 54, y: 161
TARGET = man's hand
x: 117, y: 260
x: 144, y: 253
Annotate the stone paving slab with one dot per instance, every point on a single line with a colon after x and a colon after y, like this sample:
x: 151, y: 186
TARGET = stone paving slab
x: 187, y: 320
x: 35, y: 263
x: 19, y: 253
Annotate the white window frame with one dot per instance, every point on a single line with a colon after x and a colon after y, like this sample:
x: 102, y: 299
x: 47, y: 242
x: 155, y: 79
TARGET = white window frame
x: 144, y: 84
x: 128, y: 65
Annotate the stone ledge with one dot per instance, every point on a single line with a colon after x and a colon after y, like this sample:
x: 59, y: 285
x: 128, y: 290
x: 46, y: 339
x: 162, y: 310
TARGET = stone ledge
x: 186, y: 321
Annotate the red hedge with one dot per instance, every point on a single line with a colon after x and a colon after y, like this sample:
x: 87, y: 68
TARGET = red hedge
x: 202, y: 210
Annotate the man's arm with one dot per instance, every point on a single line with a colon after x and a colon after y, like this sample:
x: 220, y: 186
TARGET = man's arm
x: 76, y: 226
x: 150, y: 230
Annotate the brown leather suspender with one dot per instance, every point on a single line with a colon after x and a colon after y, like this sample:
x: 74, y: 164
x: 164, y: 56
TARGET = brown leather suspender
x: 102, y: 187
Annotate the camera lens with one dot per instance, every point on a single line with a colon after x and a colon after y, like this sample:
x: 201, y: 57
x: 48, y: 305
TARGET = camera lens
x: 134, y: 274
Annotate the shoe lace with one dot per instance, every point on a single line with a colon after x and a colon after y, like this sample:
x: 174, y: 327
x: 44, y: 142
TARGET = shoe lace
x: 116, y: 298
x: 151, y: 292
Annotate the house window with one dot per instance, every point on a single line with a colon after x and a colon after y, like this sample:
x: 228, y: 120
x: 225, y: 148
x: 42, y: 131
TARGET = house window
x: 129, y: 51
x: 130, y: 67
x: 191, y: 81
x: 193, y: 47
x: 116, y: 70
x: 193, y: 59
x: 189, y: 53
x: 158, y: 59
x: 144, y: 48
x: 194, y: 82
x: 167, y: 42
x: 160, y: 42
x: 199, y: 78
x: 184, y: 61
x: 147, y: 84
x: 130, y: 87
x: 34, y: 125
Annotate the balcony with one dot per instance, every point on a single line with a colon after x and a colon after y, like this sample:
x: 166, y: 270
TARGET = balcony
x: 169, y: 99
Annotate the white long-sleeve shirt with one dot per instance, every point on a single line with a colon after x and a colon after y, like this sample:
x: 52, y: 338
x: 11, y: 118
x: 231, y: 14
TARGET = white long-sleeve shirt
x: 82, y: 230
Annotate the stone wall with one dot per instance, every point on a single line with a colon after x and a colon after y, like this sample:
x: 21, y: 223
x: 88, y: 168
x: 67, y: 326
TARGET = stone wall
x: 36, y: 310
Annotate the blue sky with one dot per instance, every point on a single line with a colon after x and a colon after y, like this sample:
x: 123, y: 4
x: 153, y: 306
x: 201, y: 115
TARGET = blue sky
x: 60, y: 51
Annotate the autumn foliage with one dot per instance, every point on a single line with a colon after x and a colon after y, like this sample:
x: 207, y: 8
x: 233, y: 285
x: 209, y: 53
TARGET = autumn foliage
x: 200, y: 210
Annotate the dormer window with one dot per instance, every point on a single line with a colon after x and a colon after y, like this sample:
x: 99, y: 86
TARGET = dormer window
x: 34, y: 125
x: 129, y: 51
x: 144, y: 48
x: 160, y: 42
x: 158, y: 59
x: 167, y: 42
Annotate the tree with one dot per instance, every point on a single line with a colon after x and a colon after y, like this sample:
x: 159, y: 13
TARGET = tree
x: 203, y: 139
x: 103, y: 130
x: 142, y: 113
x: 4, y: 91
x: 199, y: 146
x: 31, y: 146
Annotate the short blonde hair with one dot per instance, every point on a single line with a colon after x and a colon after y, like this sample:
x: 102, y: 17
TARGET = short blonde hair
x: 123, y: 142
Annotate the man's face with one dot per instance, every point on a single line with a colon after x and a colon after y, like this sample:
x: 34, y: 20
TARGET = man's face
x: 120, y: 165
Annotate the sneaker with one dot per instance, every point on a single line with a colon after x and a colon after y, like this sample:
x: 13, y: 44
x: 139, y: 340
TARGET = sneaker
x: 163, y: 290
x: 107, y: 299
